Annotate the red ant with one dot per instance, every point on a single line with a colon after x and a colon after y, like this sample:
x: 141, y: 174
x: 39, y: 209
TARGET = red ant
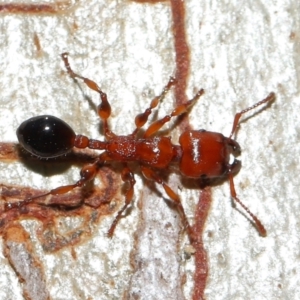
x: 202, y: 155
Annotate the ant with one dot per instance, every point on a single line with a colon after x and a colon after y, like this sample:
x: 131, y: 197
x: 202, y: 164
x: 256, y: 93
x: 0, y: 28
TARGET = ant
x: 201, y: 154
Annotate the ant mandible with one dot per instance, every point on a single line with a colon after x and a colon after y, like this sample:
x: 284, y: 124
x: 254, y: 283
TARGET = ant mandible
x: 201, y: 154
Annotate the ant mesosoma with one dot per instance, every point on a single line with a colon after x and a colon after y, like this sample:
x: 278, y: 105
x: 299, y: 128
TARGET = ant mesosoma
x: 201, y: 154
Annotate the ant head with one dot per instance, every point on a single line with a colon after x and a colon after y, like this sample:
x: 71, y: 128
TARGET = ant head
x: 46, y: 136
x: 235, y: 167
x: 233, y: 147
x: 234, y: 150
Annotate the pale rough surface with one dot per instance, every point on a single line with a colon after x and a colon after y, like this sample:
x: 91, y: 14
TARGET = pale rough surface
x: 241, y: 50
x: 34, y: 283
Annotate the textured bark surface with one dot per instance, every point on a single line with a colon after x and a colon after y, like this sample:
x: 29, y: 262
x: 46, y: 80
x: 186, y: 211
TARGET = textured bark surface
x: 239, y: 52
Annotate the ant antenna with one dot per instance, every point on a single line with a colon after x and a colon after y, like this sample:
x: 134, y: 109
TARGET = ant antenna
x: 261, y: 229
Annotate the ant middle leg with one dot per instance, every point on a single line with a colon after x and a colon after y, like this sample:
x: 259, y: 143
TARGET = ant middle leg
x: 179, y: 110
x: 142, y: 118
x: 127, y: 176
x: 151, y: 175
x: 104, y: 109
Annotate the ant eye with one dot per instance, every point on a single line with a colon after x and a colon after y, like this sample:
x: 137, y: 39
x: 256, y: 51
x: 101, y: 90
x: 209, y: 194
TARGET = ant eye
x: 235, y: 148
x: 46, y: 136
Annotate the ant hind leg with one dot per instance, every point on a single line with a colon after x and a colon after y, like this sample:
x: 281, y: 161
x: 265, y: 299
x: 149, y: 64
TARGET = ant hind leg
x: 104, y: 109
x: 87, y: 174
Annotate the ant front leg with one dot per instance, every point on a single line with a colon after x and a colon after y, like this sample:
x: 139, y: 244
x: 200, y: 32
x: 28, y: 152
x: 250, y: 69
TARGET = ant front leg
x: 151, y: 175
x: 142, y: 118
x: 179, y: 110
x: 104, y: 109
x: 127, y: 176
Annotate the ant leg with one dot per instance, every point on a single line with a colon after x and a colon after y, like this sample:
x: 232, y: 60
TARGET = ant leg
x: 151, y: 175
x: 87, y: 173
x: 142, y: 118
x: 180, y: 109
x: 270, y: 98
x: 104, y: 109
x: 260, y: 227
x: 127, y: 176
